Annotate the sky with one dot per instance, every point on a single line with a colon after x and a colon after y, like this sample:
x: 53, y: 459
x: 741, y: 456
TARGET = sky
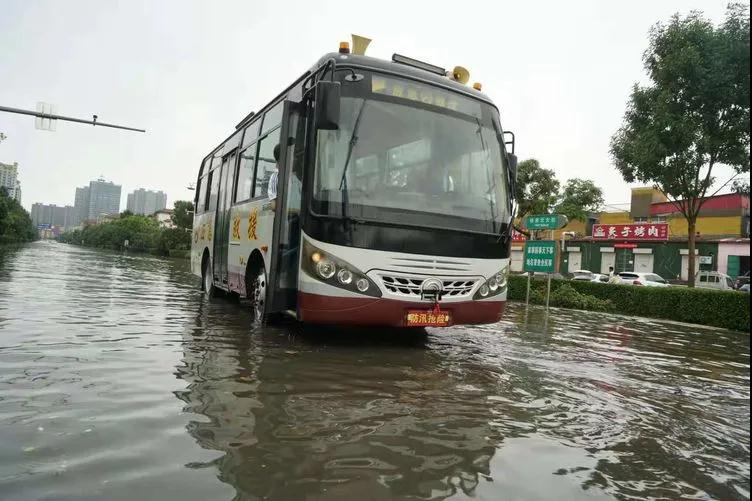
x: 187, y: 71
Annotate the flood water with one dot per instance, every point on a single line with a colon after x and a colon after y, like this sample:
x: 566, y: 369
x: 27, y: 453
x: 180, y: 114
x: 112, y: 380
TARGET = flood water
x: 118, y: 380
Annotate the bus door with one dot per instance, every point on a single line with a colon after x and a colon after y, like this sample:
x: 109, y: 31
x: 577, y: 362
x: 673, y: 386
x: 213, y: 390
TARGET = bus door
x: 222, y: 221
x: 285, y: 260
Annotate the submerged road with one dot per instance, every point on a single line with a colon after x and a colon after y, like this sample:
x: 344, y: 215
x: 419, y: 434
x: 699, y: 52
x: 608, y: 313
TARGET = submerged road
x: 118, y: 380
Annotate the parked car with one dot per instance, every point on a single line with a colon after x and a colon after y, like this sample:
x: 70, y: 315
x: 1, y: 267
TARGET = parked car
x: 713, y: 280
x: 600, y: 277
x: 741, y: 280
x: 583, y: 275
x: 639, y: 278
x: 544, y: 276
x: 588, y: 276
x: 744, y: 288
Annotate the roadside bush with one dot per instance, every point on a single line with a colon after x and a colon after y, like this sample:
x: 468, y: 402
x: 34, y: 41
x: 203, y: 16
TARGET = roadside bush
x: 174, y: 239
x: 142, y: 233
x: 566, y: 296
x: 727, y: 309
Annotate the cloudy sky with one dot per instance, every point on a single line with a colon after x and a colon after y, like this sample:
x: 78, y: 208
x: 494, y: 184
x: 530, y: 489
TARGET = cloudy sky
x: 188, y: 71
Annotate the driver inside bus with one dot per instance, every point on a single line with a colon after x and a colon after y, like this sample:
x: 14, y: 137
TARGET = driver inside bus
x: 293, y: 197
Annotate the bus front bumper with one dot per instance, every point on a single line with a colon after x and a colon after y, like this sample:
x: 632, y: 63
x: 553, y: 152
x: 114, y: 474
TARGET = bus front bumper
x: 318, y: 309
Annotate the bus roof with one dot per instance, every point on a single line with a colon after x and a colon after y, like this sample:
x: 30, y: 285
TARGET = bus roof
x: 365, y: 62
x: 401, y: 69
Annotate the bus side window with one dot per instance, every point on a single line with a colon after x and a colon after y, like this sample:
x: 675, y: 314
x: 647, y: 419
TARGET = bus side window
x: 251, y: 133
x: 272, y: 118
x: 266, y: 164
x: 199, y: 192
x: 245, y: 174
x: 213, y: 190
x: 228, y: 190
x: 208, y: 191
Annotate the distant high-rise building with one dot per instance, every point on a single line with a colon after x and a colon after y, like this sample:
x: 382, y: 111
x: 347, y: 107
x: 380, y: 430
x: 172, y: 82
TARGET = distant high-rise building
x: 100, y: 198
x: 104, y: 198
x: 146, y: 202
x: 81, y: 206
x: 53, y: 215
x: 9, y: 180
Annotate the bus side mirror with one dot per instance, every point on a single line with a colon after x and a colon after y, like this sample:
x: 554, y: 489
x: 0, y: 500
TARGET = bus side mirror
x: 512, y: 171
x: 326, y: 116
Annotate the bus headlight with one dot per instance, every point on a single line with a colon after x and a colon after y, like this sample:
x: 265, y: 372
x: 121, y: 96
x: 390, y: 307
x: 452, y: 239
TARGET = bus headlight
x: 494, y: 285
x: 336, y: 272
x: 325, y: 269
x: 344, y: 276
x: 362, y: 284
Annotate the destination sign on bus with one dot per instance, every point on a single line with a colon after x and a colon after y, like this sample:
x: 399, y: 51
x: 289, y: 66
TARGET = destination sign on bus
x: 413, y: 91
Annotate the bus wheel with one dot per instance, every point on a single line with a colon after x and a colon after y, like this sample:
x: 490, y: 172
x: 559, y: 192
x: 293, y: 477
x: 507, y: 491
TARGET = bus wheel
x: 256, y: 291
x: 207, y: 280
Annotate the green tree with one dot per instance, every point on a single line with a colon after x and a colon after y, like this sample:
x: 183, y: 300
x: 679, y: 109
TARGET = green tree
x: 579, y: 198
x: 15, y: 222
x: 536, y: 191
x: 182, y: 215
x: 695, y: 114
x: 741, y: 186
x: 125, y: 213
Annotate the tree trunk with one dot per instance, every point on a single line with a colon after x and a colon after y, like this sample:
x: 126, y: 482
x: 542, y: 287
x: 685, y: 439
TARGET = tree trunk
x: 692, y: 230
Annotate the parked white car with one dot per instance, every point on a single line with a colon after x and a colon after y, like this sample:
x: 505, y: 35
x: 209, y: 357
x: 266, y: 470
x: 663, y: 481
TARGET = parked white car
x: 714, y: 280
x: 588, y: 276
x: 638, y: 278
x: 583, y: 275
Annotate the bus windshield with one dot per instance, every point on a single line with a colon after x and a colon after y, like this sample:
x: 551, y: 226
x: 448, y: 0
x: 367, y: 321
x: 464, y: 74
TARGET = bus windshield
x: 409, y: 161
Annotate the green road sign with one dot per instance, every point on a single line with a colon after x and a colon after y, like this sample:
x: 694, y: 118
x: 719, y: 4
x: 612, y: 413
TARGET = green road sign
x: 545, y: 222
x: 540, y: 255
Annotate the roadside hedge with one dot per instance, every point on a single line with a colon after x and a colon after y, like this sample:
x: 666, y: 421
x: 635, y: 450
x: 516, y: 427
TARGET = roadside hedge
x: 727, y: 309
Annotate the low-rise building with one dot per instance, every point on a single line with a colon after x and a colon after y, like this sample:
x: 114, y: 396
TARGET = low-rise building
x: 164, y: 218
x: 652, y: 236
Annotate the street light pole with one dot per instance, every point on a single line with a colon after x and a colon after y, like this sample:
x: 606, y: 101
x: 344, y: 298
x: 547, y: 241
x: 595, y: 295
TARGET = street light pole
x: 50, y: 116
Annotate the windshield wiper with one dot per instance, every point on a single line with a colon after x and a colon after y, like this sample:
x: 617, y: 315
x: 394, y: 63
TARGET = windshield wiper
x: 343, y: 181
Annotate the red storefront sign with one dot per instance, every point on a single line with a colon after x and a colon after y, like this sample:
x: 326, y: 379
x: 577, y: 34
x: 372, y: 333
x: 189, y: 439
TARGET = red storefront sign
x: 637, y: 231
x: 625, y: 246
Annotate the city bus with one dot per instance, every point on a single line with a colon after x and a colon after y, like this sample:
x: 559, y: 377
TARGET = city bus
x: 369, y: 192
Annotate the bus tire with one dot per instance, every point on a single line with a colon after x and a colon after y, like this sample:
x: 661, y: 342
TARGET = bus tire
x: 207, y: 278
x: 255, y: 286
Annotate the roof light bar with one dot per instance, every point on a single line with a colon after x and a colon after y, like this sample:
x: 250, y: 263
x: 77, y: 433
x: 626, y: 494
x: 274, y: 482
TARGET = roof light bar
x: 408, y: 61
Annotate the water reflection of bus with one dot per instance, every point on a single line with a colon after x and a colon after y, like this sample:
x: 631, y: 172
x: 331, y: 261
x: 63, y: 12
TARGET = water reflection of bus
x: 295, y: 420
x: 368, y: 192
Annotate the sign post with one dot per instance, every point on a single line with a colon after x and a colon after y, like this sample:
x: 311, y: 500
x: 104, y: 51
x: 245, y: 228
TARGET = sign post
x: 540, y: 255
x: 545, y: 222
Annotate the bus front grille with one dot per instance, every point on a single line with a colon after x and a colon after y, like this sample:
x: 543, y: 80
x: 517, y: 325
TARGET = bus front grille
x: 410, y: 286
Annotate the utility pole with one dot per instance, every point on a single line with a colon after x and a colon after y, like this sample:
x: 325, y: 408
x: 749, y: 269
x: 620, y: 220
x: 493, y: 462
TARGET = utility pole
x: 50, y: 116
